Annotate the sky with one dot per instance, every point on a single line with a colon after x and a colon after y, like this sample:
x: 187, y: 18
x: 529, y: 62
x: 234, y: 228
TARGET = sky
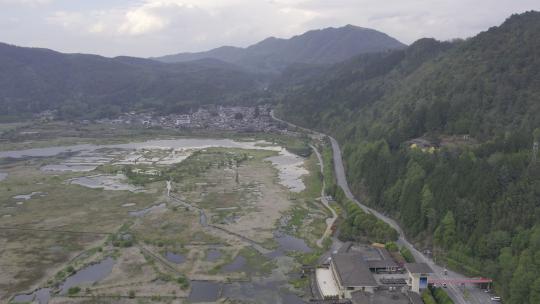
x: 148, y: 28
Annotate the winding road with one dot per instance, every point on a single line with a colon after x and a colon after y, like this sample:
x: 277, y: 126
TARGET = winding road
x: 458, y: 294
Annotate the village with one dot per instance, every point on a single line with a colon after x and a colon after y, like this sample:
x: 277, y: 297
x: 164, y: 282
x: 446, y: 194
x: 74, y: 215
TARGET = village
x: 211, y: 118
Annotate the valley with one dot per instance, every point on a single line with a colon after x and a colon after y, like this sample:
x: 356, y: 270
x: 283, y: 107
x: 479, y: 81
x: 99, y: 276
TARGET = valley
x: 336, y: 166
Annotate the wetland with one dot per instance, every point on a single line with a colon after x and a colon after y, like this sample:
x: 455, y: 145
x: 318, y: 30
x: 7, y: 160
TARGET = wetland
x: 97, y: 220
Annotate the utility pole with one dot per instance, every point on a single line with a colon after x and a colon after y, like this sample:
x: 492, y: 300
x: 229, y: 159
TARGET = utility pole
x: 536, y: 139
x: 535, y: 151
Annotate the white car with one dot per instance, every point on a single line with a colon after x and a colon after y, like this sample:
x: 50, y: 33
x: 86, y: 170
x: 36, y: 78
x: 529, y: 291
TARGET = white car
x: 496, y: 299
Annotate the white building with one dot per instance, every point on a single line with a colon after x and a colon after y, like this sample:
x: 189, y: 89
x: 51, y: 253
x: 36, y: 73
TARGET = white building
x: 418, y: 276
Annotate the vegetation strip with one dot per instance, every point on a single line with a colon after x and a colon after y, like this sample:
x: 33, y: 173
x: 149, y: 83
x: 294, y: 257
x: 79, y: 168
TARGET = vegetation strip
x: 58, y: 231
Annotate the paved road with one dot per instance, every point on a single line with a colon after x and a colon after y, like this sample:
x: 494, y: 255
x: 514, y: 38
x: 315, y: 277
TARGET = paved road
x: 458, y: 294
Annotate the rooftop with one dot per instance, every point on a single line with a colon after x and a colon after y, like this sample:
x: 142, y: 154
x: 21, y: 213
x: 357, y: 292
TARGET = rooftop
x: 415, y: 298
x: 352, y: 270
x: 379, y: 297
x: 418, y: 268
x: 381, y: 264
x: 327, y: 285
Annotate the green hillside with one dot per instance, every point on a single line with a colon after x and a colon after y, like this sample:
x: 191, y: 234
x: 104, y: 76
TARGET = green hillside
x: 440, y: 136
x: 34, y: 80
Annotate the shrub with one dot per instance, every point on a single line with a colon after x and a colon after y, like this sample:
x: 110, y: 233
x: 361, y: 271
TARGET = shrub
x: 392, y: 247
x: 183, y: 281
x: 74, y: 290
x: 407, y: 255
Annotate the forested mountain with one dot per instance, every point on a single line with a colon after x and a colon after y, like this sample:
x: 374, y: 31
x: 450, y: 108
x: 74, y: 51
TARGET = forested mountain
x: 440, y: 136
x: 324, y: 46
x: 90, y: 86
x: 33, y: 80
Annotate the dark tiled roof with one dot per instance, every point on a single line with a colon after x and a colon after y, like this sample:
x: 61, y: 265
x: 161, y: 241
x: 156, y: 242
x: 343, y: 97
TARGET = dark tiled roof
x: 360, y: 297
x: 381, y: 297
x: 418, y: 268
x: 345, y: 248
x: 415, y: 298
x: 352, y: 270
x: 385, y: 254
x: 381, y: 264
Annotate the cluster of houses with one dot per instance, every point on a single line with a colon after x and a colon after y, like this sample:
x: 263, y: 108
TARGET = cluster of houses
x: 363, y: 274
x: 222, y: 118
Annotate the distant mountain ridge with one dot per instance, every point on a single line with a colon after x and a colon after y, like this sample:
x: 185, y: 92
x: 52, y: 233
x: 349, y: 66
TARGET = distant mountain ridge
x: 35, y: 79
x: 326, y: 46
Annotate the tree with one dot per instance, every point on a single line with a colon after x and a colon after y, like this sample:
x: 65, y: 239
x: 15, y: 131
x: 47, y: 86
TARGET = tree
x: 535, y: 292
x: 428, y: 212
x: 520, y: 286
x: 445, y: 235
x: 410, y: 196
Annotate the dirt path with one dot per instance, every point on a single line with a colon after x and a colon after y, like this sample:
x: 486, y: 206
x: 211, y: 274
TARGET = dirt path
x: 329, y: 221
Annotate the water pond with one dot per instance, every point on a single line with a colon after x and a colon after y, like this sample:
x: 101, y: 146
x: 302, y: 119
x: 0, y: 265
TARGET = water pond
x: 88, y: 275
x: 27, y: 197
x: 213, y: 255
x: 42, y: 296
x: 175, y: 258
x: 105, y: 182
x: 145, y: 211
x: 288, y: 243
x: 203, y: 291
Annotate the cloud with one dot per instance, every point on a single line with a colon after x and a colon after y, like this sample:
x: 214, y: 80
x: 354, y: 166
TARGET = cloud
x: 25, y: 2
x: 141, y: 21
x: 157, y: 27
x: 68, y: 20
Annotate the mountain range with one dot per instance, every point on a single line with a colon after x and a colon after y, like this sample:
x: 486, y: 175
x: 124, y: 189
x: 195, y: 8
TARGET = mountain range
x: 34, y: 79
x: 324, y: 46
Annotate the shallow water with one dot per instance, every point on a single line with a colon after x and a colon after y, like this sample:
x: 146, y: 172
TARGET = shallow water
x: 145, y: 211
x: 202, y: 291
x: 203, y: 220
x: 181, y: 144
x: 291, y: 170
x: 213, y: 255
x: 90, y: 274
x: 3, y: 176
x: 175, y: 258
x: 88, y: 157
x: 42, y: 296
x: 68, y: 168
x: 288, y: 243
x: 27, y: 197
x: 237, y: 265
x: 291, y: 243
x: 105, y: 182
x: 264, y: 293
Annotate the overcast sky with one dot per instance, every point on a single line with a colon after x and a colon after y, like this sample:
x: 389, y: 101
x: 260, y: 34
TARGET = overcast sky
x: 158, y: 27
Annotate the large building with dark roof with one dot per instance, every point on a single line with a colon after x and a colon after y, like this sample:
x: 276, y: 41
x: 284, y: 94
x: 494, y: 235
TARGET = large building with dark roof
x: 352, y: 274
